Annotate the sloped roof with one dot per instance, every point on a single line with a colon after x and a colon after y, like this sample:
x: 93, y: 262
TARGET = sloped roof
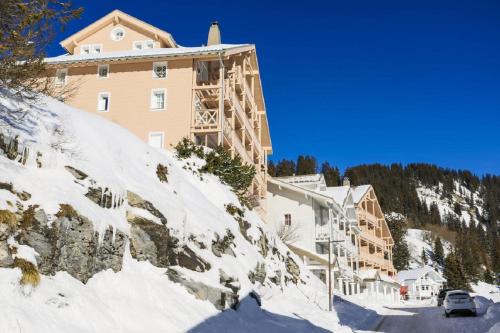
x: 338, y: 193
x: 149, y: 53
x: 116, y: 16
x: 413, y: 274
x: 303, y: 179
x: 358, y: 192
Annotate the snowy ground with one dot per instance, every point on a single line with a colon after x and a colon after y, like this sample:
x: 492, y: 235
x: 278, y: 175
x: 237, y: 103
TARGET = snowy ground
x: 140, y: 298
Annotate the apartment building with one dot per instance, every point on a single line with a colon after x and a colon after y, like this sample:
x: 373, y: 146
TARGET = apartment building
x: 136, y: 75
x: 375, y: 240
x: 318, y: 224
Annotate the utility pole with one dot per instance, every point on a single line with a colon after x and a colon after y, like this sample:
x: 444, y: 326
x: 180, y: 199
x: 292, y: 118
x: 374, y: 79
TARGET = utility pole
x: 330, y: 271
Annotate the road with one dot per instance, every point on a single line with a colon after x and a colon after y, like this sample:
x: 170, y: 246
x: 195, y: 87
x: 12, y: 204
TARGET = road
x: 430, y: 319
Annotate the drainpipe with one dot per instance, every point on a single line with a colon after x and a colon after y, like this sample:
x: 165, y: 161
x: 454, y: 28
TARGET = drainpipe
x: 221, y: 102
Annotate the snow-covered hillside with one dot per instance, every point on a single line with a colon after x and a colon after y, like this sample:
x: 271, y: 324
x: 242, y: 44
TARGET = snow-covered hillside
x: 468, y: 201
x: 132, y: 239
x: 419, y: 240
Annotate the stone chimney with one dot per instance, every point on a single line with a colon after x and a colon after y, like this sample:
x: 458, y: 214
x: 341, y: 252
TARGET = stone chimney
x: 346, y: 181
x: 214, y: 34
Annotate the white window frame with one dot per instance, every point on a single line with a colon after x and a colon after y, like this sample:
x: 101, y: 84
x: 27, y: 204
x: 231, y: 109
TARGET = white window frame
x: 137, y: 42
x: 113, y: 32
x: 152, y: 99
x: 99, y: 71
x: 160, y: 63
x: 150, y: 134
x: 93, y: 49
x: 99, y: 99
x: 61, y: 70
x: 146, y: 43
x: 85, y: 47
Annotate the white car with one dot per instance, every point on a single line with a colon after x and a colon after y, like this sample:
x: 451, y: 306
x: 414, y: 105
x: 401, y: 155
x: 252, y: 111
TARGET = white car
x: 459, y: 301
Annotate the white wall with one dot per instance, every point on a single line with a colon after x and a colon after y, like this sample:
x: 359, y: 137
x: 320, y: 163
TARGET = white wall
x: 283, y: 201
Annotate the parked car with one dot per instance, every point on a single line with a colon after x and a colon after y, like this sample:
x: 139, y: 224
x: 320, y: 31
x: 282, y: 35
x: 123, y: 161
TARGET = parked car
x: 459, y: 301
x: 442, y: 295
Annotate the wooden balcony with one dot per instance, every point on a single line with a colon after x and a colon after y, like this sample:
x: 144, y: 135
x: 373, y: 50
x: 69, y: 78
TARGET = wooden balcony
x: 243, y: 118
x: 371, y: 238
x: 206, y: 119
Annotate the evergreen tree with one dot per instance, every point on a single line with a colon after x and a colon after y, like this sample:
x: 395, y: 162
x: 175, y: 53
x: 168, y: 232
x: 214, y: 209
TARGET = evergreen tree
x: 438, y: 251
x: 285, y: 168
x: 434, y: 217
x: 306, y: 165
x: 332, y: 174
x: 423, y: 257
x: 271, y: 169
x: 457, y: 209
x: 454, y: 273
x: 27, y: 28
x: 400, y: 252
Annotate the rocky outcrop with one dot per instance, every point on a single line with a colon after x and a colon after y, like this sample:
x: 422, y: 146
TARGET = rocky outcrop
x: 72, y: 245
x: 80, y: 175
x: 220, y: 298
x: 134, y: 200
x: 223, y: 245
x: 292, y: 269
x: 153, y: 242
x: 9, y: 187
x: 258, y: 274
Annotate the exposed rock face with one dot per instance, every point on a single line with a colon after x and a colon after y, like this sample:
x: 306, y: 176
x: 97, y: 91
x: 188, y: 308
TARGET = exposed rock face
x: 9, y: 187
x: 6, y: 259
x: 153, y: 242
x: 258, y: 274
x: 220, y: 298
x: 72, y: 245
x: 134, y: 200
x: 223, y: 245
x: 263, y: 244
x: 292, y: 269
x: 149, y: 241
x: 103, y: 197
x: 80, y: 175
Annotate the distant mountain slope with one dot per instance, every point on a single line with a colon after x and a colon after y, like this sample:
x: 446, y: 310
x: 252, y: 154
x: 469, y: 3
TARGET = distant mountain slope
x: 454, y: 204
x: 131, y: 239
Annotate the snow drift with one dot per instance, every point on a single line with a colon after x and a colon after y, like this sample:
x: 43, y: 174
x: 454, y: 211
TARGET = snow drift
x: 131, y: 239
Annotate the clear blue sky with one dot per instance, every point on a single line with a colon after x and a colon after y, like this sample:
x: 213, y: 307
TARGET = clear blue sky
x: 356, y: 82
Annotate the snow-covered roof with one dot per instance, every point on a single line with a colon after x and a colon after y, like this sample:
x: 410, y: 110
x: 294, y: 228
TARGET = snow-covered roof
x: 338, y: 193
x: 358, y: 192
x: 149, y: 53
x: 413, y: 274
x: 303, y: 179
x: 373, y: 274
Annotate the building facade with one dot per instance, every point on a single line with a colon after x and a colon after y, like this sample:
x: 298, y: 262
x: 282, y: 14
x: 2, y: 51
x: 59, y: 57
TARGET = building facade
x: 303, y: 205
x: 376, y: 242
x: 421, y: 283
x: 138, y: 76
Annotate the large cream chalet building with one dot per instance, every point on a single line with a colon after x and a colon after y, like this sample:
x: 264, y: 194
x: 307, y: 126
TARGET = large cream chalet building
x: 139, y: 77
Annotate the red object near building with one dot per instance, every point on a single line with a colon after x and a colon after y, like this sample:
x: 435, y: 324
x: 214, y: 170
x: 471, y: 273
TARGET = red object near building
x: 403, y: 292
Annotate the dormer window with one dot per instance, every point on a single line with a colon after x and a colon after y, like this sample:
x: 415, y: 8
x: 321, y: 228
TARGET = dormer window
x: 96, y: 48
x: 138, y: 45
x: 117, y: 34
x: 149, y: 44
x: 85, y: 49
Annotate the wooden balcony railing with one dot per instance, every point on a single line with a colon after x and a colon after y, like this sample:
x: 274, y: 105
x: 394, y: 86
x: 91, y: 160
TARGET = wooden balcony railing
x: 206, y: 118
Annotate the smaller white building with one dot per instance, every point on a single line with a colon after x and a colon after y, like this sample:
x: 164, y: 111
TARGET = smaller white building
x: 422, y: 283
